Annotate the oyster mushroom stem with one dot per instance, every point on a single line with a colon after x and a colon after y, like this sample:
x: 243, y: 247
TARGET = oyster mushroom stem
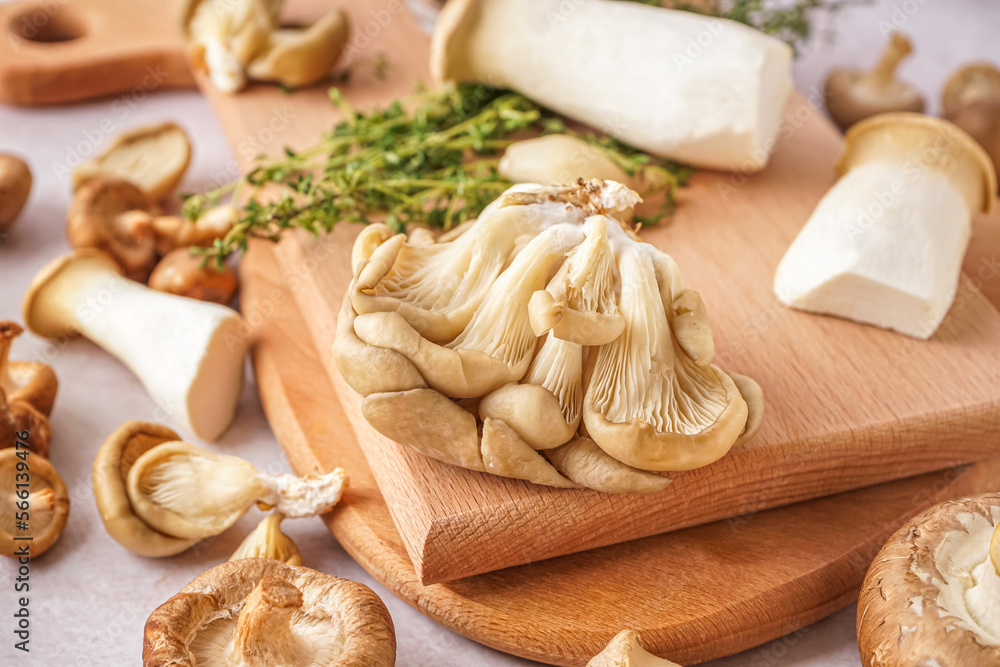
x: 267, y: 541
x: 930, y: 596
x: 886, y: 243
x: 853, y: 95
x: 263, y: 634
x: 720, y: 109
x: 28, y: 381
x: 188, y: 354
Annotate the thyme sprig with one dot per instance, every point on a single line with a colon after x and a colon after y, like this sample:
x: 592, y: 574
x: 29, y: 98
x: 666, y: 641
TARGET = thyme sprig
x: 429, y: 159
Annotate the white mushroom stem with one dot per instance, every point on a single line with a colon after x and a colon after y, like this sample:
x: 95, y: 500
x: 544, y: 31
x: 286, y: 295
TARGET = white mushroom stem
x: 299, y: 497
x: 263, y: 636
x: 703, y: 90
x: 188, y: 354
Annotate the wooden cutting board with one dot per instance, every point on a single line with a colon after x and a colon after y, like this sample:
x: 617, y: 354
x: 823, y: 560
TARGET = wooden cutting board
x: 694, y: 594
x: 848, y: 405
x: 55, y: 51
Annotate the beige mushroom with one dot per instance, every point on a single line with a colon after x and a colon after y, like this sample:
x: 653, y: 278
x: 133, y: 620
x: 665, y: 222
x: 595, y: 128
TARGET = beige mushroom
x: 971, y: 100
x: 45, y: 501
x: 557, y: 158
x: 475, y: 350
x: 299, y: 57
x: 267, y: 541
x: 853, y: 95
x: 930, y: 596
x: 114, y: 460
x: 185, y: 491
x: 153, y: 158
x: 25, y: 381
x: 190, y: 355
x: 175, y: 232
x: 15, y: 186
x: 258, y: 612
x: 625, y: 650
x: 193, y: 276
x: 114, y: 216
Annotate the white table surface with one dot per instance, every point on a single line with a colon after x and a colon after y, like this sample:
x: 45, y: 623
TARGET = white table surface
x: 89, y: 596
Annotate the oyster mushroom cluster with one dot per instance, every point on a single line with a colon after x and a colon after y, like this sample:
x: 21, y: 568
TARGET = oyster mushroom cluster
x: 543, y: 342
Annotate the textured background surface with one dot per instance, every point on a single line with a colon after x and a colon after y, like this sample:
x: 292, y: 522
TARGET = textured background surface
x: 90, y: 597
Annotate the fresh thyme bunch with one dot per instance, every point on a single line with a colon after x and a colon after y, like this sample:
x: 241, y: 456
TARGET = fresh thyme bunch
x: 428, y: 159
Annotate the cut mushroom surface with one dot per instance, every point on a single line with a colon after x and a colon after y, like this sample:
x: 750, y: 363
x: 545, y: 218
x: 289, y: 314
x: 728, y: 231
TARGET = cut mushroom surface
x: 258, y: 612
x: 556, y: 322
x: 44, y: 500
x: 932, y: 595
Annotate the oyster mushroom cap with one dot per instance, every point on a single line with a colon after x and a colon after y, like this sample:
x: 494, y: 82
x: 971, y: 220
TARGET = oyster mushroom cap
x: 625, y: 650
x: 48, y: 504
x: 582, y: 461
x: 299, y: 57
x: 111, y: 467
x: 115, y: 216
x: 259, y: 612
x: 267, y: 541
x: 28, y: 381
x: 930, y: 597
x: 189, y: 492
x: 853, y: 95
x: 154, y: 158
x: 557, y: 158
x: 224, y: 36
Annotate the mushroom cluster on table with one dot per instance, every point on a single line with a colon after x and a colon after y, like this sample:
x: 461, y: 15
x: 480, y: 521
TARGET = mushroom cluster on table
x: 257, y: 612
x: 932, y: 596
x: 544, y: 342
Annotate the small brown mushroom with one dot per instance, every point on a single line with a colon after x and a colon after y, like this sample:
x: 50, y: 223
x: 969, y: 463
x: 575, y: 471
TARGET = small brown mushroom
x: 930, y: 597
x: 115, y: 216
x: 185, y: 274
x: 29, y: 381
x: 154, y: 158
x: 971, y: 100
x: 258, y: 612
x: 853, y: 95
x: 111, y: 467
x: 15, y: 185
x: 176, y: 232
x: 625, y: 650
x: 43, y: 505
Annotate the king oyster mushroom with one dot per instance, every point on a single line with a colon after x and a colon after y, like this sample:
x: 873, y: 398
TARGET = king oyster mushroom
x: 258, y: 612
x: 932, y: 596
x: 475, y: 349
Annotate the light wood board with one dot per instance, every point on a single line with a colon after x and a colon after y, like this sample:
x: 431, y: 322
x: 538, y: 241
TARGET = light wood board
x: 694, y: 594
x: 848, y: 405
x: 54, y: 51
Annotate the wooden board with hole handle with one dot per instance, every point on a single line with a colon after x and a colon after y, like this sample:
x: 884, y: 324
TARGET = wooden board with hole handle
x: 56, y: 51
x: 847, y: 405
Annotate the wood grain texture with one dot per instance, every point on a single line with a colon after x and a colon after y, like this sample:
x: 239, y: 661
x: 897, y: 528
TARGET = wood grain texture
x: 695, y: 594
x: 848, y: 405
x: 57, y: 51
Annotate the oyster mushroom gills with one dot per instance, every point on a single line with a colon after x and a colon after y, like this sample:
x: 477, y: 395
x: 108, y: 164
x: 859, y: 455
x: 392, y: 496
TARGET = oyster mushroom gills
x: 188, y: 354
x: 258, y: 612
x: 158, y: 495
x: 885, y: 245
x: 545, y: 342
x: 931, y: 595
x: 718, y: 108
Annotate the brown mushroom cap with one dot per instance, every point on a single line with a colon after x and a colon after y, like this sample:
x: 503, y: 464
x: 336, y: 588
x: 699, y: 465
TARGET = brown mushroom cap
x: 28, y: 381
x: 15, y: 186
x: 251, y: 604
x: 182, y: 273
x: 904, y: 617
x: 853, y: 95
x: 19, y: 416
x: 924, y: 142
x: 970, y: 84
x: 48, y: 503
x: 115, y: 216
x: 111, y: 467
